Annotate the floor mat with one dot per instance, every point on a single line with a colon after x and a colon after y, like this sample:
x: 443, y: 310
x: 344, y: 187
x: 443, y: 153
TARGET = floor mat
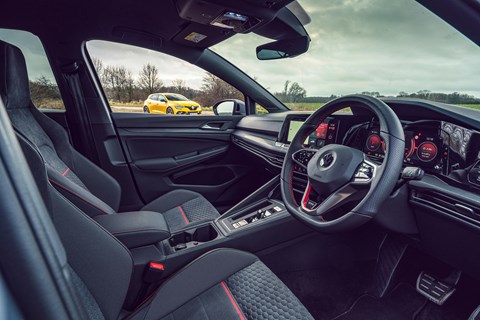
x: 329, y: 291
x: 434, y: 312
x: 403, y: 303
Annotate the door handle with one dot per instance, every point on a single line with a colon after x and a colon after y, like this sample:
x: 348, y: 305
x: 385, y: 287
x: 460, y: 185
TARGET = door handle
x: 214, y: 125
x: 208, y: 127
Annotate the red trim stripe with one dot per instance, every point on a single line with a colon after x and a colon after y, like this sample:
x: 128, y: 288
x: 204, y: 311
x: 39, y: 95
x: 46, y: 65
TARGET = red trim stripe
x: 183, y: 214
x: 232, y: 300
x: 307, y: 195
x: 65, y: 172
x: 77, y: 195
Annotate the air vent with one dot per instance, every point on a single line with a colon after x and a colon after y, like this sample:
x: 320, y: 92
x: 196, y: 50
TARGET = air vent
x: 474, y: 175
x: 271, y: 158
x: 447, y: 204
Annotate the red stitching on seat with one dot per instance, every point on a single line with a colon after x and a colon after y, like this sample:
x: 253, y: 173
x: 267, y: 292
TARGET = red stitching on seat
x: 232, y: 300
x: 65, y: 172
x: 183, y: 214
x: 77, y: 195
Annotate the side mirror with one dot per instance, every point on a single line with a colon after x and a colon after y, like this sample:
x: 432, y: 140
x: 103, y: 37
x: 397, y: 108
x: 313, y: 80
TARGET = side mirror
x: 285, y: 48
x: 229, y: 107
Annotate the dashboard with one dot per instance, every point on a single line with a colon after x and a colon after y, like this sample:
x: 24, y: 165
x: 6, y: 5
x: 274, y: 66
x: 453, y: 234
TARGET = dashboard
x: 441, y: 210
x: 442, y: 142
x: 437, y: 147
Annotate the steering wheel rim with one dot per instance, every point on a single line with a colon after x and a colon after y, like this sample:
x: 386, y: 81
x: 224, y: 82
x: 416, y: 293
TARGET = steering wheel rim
x: 381, y: 183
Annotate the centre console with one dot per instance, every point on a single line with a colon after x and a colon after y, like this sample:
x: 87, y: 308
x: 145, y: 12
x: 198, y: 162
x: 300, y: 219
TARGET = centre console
x: 254, y: 215
x: 257, y: 223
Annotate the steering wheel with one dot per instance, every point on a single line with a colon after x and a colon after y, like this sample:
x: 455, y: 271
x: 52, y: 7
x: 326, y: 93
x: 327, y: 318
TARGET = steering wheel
x: 339, y: 175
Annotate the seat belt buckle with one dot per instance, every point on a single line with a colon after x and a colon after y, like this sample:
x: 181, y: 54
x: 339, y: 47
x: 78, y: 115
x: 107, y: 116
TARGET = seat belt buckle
x: 153, y: 272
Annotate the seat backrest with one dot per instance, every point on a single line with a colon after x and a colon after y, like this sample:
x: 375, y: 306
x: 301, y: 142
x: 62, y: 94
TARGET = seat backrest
x: 100, y: 264
x: 90, y: 188
x: 60, y: 265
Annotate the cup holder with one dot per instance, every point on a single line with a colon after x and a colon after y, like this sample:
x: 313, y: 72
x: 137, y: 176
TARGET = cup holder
x: 193, y: 237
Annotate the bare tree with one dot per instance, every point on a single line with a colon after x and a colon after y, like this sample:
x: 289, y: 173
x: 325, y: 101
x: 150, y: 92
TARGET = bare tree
x: 43, y: 91
x: 179, y: 85
x: 119, y: 82
x: 292, y: 92
x: 215, y: 89
x: 148, y: 79
x: 99, y: 67
x: 296, y: 93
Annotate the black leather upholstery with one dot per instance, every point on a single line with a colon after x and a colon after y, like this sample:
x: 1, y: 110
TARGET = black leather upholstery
x: 183, y: 208
x: 136, y: 229
x: 221, y: 284
x: 70, y: 267
x: 229, y: 284
x: 78, y: 179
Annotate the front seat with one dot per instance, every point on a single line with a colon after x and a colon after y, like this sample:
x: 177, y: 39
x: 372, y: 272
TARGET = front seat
x: 86, y: 185
x: 60, y: 264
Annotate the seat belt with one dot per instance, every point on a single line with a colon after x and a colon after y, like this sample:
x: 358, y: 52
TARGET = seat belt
x: 71, y: 74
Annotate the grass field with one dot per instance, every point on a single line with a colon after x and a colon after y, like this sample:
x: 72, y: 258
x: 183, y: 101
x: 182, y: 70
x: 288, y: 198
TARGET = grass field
x: 137, y: 106
x: 304, y: 106
x: 471, y: 106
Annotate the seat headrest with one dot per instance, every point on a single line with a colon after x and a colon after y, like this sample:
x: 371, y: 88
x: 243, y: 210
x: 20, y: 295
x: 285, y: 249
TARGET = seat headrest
x: 14, y: 87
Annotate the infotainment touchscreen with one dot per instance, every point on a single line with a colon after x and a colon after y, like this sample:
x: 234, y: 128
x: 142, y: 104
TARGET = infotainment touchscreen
x: 293, y: 129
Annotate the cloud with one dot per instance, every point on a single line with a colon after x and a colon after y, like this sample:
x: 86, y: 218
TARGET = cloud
x: 357, y: 45
x: 368, y: 45
x: 133, y: 58
x: 35, y: 56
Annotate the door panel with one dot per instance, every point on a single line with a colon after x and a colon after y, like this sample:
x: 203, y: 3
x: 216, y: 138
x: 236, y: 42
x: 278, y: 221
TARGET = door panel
x: 187, y: 152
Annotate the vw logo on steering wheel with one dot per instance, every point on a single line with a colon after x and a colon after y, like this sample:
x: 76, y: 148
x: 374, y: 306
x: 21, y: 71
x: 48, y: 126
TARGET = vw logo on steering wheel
x: 326, y: 160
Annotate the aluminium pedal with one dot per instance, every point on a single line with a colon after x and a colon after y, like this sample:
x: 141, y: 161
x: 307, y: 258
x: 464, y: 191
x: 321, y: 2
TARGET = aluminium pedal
x: 437, y: 291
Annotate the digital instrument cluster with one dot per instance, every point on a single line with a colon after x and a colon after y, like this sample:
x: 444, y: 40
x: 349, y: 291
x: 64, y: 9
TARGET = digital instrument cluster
x: 324, y: 134
x: 423, y: 147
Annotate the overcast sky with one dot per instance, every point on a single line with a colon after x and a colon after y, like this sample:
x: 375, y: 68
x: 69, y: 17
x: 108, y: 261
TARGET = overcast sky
x: 357, y: 45
x: 369, y: 45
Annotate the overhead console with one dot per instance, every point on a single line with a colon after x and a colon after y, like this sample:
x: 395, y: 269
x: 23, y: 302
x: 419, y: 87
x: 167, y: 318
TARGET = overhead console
x: 228, y: 18
x: 212, y: 21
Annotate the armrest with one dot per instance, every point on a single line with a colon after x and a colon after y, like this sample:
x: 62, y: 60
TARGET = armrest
x: 137, y: 228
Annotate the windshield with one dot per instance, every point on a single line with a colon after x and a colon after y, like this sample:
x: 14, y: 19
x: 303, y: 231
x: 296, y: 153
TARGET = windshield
x: 381, y: 48
x: 175, y: 97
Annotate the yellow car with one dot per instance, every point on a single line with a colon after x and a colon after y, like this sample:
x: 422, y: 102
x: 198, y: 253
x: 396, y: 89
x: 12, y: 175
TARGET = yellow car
x: 170, y: 103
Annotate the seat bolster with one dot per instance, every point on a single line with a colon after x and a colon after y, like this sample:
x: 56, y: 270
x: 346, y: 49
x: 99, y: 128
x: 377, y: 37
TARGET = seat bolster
x: 208, y: 270
x: 170, y: 200
x: 183, y: 209
x: 99, y: 182
x: 80, y: 197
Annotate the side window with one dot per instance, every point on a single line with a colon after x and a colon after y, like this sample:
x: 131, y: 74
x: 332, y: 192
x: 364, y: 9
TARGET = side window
x: 260, y: 109
x: 129, y: 75
x: 43, y: 87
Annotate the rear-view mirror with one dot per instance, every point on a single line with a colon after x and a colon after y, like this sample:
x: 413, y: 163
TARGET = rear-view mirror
x: 285, y: 48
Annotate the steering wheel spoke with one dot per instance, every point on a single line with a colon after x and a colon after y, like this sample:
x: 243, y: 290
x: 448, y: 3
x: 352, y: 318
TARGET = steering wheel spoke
x: 318, y: 207
x: 303, y: 156
x: 365, y: 173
